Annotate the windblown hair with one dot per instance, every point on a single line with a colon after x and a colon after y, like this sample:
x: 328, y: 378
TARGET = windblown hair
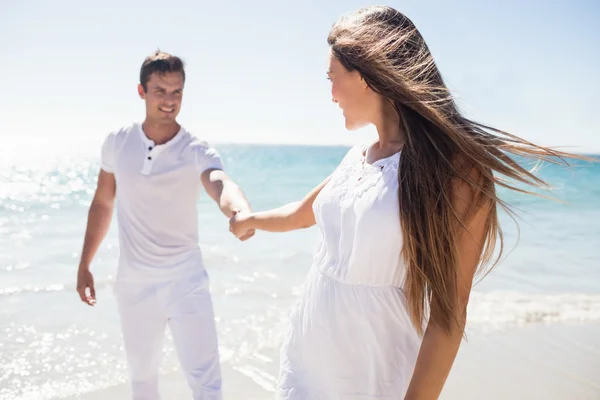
x: 441, y: 148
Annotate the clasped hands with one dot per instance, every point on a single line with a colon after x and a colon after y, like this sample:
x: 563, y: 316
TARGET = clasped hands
x: 239, y: 225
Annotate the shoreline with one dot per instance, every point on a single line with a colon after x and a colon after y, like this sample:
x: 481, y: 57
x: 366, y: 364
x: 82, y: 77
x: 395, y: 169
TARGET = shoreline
x: 541, y: 361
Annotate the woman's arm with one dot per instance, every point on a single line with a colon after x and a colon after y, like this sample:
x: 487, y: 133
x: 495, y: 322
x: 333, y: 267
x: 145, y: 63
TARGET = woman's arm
x: 439, y: 348
x: 290, y: 217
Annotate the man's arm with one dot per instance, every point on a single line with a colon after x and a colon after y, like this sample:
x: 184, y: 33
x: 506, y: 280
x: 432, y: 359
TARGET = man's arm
x: 225, y: 192
x: 99, y: 218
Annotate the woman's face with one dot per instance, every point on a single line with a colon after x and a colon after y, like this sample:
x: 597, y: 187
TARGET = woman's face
x: 351, y: 93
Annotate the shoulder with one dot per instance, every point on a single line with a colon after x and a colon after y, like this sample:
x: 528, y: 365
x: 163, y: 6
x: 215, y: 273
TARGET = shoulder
x: 112, y: 145
x: 119, y: 135
x: 198, y: 145
x: 126, y: 130
x: 472, y: 187
x: 348, y: 161
x: 205, y: 155
x: 114, y: 140
x: 355, y: 151
x: 354, y: 154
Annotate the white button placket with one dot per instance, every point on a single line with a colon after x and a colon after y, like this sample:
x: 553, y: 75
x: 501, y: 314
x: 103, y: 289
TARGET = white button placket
x: 149, y: 158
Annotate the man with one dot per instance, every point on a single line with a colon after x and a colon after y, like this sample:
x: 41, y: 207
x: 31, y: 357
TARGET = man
x: 154, y: 170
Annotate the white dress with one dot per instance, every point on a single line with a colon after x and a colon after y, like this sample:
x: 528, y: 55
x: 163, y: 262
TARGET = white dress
x: 350, y: 335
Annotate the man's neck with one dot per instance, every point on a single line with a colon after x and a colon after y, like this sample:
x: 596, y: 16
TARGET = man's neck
x: 160, y: 133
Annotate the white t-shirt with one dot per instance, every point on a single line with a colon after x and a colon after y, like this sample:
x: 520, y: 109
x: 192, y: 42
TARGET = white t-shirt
x: 157, y: 191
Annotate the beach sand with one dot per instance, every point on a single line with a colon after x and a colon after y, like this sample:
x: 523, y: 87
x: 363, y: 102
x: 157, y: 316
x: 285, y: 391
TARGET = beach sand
x: 550, y: 362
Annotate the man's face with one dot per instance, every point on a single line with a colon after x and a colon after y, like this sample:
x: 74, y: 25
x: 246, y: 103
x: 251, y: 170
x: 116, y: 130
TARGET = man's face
x: 163, y: 96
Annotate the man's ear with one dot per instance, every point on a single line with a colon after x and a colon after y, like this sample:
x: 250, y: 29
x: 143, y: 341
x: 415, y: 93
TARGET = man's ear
x: 141, y: 91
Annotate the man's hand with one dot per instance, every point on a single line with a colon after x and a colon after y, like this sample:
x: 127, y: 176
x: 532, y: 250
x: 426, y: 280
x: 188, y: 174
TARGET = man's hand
x: 239, y: 225
x: 99, y: 217
x: 85, y: 281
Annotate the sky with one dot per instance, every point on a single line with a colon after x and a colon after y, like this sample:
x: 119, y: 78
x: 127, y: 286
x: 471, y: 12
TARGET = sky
x: 256, y: 70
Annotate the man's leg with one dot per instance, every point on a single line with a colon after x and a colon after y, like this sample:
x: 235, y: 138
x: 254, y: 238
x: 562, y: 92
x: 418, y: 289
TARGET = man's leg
x: 143, y: 326
x: 192, y: 324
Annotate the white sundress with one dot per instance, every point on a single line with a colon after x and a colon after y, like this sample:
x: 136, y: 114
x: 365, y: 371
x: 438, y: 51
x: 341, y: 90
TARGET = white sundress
x: 350, y: 334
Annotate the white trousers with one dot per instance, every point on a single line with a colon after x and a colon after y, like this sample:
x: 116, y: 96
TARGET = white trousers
x: 185, y: 305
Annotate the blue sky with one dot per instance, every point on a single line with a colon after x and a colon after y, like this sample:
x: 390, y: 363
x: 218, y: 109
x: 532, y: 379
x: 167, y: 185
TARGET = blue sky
x: 256, y: 70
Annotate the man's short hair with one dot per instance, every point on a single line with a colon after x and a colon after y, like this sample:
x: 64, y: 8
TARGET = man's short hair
x: 161, y: 63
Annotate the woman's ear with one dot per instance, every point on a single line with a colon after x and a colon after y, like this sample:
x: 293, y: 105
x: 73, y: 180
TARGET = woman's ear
x: 364, y: 83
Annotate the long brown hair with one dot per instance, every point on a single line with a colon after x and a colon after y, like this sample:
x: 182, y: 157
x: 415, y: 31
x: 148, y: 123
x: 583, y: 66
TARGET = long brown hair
x: 441, y: 147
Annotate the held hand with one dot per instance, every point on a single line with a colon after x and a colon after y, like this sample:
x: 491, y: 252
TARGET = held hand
x: 238, y: 225
x: 85, y: 281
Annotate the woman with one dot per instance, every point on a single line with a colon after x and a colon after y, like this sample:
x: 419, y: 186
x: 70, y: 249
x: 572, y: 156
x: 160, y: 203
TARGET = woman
x: 404, y: 223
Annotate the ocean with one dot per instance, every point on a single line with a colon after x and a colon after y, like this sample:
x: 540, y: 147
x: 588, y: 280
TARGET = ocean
x: 53, y: 346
